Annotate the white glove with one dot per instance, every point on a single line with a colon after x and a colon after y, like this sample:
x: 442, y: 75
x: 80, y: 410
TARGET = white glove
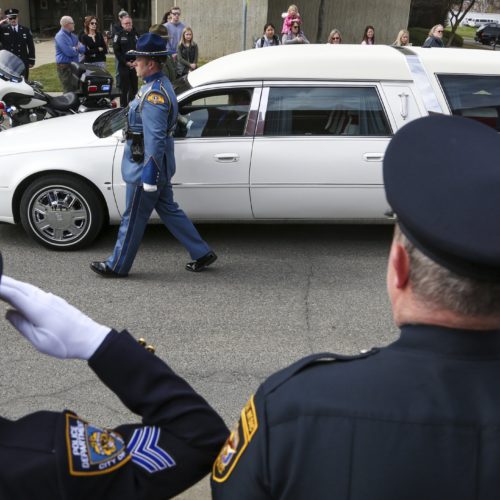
x: 149, y: 188
x: 52, y: 325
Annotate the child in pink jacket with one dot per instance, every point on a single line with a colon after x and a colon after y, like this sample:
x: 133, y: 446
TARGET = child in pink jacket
x: 288, y: 17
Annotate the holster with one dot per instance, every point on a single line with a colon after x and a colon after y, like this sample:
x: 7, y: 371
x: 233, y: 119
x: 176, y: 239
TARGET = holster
x: 137, y: 147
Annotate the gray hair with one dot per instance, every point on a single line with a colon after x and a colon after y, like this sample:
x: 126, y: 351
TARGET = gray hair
x: 444, y: 289
x: 65, y: 20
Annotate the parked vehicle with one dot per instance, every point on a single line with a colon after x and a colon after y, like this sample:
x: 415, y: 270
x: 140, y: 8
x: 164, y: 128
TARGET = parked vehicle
x: 25, y: 101
x: 260, y: 139
x: 488, y: 34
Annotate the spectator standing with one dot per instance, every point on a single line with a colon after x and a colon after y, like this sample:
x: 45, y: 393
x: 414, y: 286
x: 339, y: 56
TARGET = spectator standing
x: 334, y: 37
x: 435, y: 38
x: 403, y: 39
x: 368, y: 36
x: 417, y: 419
x: 56, y: 455
x: 269, y: 38
x: 95, y: 43
x: 148, y: 165
x: 68, y: 50
x: 167, y: 67
x: 115, y: 29
x: 295, y: 36
x: 175, y: 28
x: 292, y: 14
x: 18, y: 40
x: 187, y: 53
x: 125, y: 40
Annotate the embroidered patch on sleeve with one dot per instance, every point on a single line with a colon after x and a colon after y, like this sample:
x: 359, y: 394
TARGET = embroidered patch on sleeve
x: 92, y: 450
x: 146, y: 452
x: 236, y: 443
x: 155, y: 98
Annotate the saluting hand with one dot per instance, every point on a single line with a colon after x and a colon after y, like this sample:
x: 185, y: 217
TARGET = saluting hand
x: 52, y: 325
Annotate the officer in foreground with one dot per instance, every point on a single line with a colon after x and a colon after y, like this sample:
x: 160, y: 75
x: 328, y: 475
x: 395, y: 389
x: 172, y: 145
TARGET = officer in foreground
x: 148, y: 166
x: 419, y: 418
x: 50, y: 455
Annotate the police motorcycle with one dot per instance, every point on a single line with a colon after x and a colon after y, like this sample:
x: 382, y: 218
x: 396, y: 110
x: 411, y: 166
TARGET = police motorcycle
x: 25, y: 101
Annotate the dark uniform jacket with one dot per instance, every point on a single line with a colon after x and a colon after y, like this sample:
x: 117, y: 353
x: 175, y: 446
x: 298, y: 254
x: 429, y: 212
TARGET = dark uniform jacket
x: 123, y: 41
x: 19, y: 43
x: 48, y: 455
x: 419, y: 419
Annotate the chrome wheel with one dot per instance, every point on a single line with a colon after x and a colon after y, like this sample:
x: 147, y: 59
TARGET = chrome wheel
x: 62, y: 212
x: 60, y: 215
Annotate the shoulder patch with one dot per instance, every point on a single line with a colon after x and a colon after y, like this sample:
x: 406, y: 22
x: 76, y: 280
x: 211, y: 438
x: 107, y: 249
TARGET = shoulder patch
x: 236, y: 443
x: 146, y: 452
x: 155, y: 98
x: 278, y: 378
x: 92, y: 450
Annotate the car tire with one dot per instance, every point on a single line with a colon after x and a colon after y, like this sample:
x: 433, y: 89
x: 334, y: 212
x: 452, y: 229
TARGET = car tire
x: 61, y: 212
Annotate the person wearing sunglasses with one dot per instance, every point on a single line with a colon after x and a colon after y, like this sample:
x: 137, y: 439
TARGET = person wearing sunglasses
x: 295, y: 35
x: 175, y: 28
x: 95, y: 44
x: 335, y: 37
x: 435, y: 38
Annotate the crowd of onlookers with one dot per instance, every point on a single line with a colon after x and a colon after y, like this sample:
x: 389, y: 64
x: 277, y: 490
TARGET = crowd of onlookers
x: 92, y: 44
x: 292, y: 33
x: 91, y: 47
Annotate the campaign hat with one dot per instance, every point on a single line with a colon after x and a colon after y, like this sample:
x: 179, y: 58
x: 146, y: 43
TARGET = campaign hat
x: 149, y: 45
x: 442, y: 181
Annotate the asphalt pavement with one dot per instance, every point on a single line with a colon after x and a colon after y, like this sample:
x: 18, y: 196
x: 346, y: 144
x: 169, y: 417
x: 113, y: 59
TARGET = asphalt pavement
x: 277, y: 293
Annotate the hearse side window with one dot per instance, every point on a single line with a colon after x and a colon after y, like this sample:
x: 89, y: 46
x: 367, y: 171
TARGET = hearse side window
x: 346, y: 111
x: 214, y: 114
x: 473, y: 96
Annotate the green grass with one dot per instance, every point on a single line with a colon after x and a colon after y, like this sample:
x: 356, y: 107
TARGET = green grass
x: 464, y: 31
x: 47, y: 74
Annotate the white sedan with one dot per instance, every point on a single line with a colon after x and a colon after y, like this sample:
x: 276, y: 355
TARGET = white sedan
x: 256, y: 140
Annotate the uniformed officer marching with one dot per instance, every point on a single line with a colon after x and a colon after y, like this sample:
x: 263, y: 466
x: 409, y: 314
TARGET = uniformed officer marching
x: 420, y: 418
x: 148, y: 165
x: 18, y: 40
x: 61, y: 456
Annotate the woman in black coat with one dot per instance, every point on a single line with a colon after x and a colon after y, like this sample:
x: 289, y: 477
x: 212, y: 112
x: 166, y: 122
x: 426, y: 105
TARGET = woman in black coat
x: 95, y: 43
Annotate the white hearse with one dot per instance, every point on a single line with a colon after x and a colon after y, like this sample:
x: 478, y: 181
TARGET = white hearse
x: 289, y: 133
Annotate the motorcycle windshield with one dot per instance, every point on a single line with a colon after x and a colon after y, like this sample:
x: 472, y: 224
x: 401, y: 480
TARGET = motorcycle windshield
x: 110, y: 122
x: 11, y: 67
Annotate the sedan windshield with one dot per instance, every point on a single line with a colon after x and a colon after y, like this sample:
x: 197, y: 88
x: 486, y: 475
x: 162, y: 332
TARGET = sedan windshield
x: 110, y: 122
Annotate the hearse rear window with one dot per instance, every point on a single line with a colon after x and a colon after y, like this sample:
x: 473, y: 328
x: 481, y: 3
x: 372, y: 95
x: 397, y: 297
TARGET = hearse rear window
x: 346, y: 111
x: 473, y: 96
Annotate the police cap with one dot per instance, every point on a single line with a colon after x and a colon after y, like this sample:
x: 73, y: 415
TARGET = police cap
x: 10, y: 13
x: 442, y: 179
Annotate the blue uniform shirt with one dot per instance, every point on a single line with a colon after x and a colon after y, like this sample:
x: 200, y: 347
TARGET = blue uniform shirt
x: 153, y: 113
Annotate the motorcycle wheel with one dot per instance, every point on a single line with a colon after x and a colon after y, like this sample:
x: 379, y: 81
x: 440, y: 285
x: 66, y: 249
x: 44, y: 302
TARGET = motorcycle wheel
x: 61, y: 212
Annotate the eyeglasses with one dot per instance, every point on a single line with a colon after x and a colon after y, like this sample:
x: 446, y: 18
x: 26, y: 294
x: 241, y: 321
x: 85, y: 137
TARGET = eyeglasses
x: 335, y: 38
x: 93, y: 22
x: 176, y: 13
x: 295, y: 26
x: 439, y: 31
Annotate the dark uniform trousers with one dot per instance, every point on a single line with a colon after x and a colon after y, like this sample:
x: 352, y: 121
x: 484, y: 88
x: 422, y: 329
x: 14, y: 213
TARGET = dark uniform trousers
x: 56, y: 456
x: 20, y: 43
x: 419, y: 419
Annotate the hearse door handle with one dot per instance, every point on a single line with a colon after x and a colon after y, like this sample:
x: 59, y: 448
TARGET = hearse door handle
x: 373, y: 156
x: 227, y: 157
